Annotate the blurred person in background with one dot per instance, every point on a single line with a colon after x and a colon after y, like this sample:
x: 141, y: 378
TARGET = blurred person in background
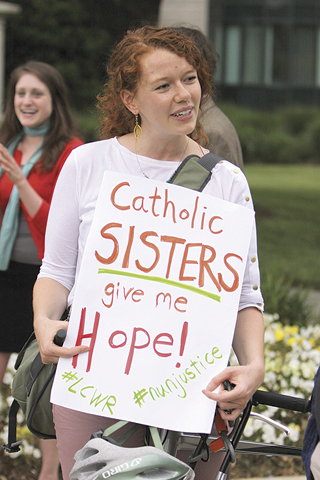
x: 311, y: 440
x: 223, y: 138
x: 37, y: 134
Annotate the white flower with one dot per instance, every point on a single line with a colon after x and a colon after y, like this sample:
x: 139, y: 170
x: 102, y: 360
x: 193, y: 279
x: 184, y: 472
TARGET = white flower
x: 295, y: 382
x: 294, y: 432
x: 269, y: 435
x: 30, y: 449
x: 307, y: 370
x: 7, y: 379
x: 270, y: 377
x: 9, y: 400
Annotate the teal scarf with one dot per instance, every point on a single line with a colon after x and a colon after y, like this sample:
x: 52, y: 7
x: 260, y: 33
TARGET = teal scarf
x: 10, y: 220
x: 38, y: 131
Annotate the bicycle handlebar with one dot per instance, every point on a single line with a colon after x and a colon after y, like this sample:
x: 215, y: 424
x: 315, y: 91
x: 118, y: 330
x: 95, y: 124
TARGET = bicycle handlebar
x: 281, y: 401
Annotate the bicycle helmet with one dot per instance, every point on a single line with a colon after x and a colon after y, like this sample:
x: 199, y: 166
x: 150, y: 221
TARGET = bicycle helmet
x: 100, y: 459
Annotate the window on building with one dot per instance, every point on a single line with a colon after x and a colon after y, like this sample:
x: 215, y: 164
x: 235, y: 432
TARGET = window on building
x: 302, y: 58
x: 233, y: 55
x: 317, y: 63
x: 280, y: 67
x: 270, y: 55
x: 294, y: 55
x: 252, y: 55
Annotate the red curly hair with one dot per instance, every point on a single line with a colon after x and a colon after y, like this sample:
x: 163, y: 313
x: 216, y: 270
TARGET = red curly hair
x: 124, y: 72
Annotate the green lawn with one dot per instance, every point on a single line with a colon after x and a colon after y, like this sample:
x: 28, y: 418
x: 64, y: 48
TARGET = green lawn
x: 287, y: 203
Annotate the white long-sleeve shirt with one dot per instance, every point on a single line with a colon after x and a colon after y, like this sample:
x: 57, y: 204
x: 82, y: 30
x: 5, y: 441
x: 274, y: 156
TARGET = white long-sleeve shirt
x: 75, y: 197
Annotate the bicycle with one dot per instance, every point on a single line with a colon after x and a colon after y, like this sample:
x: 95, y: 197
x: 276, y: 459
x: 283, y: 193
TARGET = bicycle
x: 233, y: 444
x: 160, y: 462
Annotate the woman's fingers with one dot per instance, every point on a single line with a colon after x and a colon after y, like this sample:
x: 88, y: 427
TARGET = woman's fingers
x: 55, y: 353
x: 10, y: 166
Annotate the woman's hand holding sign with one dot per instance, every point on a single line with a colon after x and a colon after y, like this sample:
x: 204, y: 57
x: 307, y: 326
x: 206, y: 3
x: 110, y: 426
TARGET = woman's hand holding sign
x: 46, y: 328
x: 235, y: 400
x: 248, y: 376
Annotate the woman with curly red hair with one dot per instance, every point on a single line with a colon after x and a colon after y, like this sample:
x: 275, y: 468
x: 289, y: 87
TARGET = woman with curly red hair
x: 157, y: 80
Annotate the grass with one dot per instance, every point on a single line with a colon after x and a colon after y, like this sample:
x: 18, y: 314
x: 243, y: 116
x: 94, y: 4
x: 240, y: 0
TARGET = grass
x: 287, y: 203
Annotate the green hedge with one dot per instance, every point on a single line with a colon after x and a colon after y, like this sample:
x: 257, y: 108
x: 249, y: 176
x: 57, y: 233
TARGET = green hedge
x: 89, y: 125
x: 284, y: 135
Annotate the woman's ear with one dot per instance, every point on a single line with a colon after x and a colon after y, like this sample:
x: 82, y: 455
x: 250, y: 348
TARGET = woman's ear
x: 128, y: 101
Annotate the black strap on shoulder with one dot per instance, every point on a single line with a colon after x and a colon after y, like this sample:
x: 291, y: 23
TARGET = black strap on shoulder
x: 209, y: 160
x: 195, y: 172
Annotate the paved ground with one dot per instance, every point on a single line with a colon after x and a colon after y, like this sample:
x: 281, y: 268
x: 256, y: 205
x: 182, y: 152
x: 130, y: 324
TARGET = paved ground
x: 301, y: 477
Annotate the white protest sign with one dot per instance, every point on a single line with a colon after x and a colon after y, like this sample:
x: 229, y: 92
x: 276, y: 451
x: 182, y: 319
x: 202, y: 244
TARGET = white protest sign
x: 156, y: 301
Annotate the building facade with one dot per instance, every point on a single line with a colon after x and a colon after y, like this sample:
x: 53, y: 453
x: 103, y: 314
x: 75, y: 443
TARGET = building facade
x: 269, y: 50
x: 191, y: 12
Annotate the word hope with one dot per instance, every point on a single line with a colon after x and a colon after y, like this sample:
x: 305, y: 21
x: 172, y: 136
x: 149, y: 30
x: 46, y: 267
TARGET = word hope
x: 139, y: 339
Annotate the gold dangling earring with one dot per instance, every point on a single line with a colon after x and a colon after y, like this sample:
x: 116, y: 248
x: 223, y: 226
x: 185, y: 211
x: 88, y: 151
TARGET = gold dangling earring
x: 137, y: 131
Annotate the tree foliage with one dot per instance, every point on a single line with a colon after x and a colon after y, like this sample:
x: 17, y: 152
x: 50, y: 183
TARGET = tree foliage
x: 75, y: 36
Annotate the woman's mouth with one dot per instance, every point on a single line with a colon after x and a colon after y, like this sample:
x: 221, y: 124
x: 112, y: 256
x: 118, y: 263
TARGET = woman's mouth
x: 28, y: 112
x: 183, y: 113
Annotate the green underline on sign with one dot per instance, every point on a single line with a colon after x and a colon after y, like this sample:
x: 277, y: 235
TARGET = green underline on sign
x: 196, y: 290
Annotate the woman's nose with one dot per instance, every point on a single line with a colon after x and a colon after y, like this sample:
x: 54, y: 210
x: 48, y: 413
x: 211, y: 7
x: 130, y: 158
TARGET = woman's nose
x: 182, y: 93
x: 27, y: 99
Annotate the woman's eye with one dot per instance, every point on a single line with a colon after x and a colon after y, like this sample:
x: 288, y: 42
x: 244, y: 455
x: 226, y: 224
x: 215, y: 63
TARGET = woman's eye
x: 191, y: 79
x: 163, y: 86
